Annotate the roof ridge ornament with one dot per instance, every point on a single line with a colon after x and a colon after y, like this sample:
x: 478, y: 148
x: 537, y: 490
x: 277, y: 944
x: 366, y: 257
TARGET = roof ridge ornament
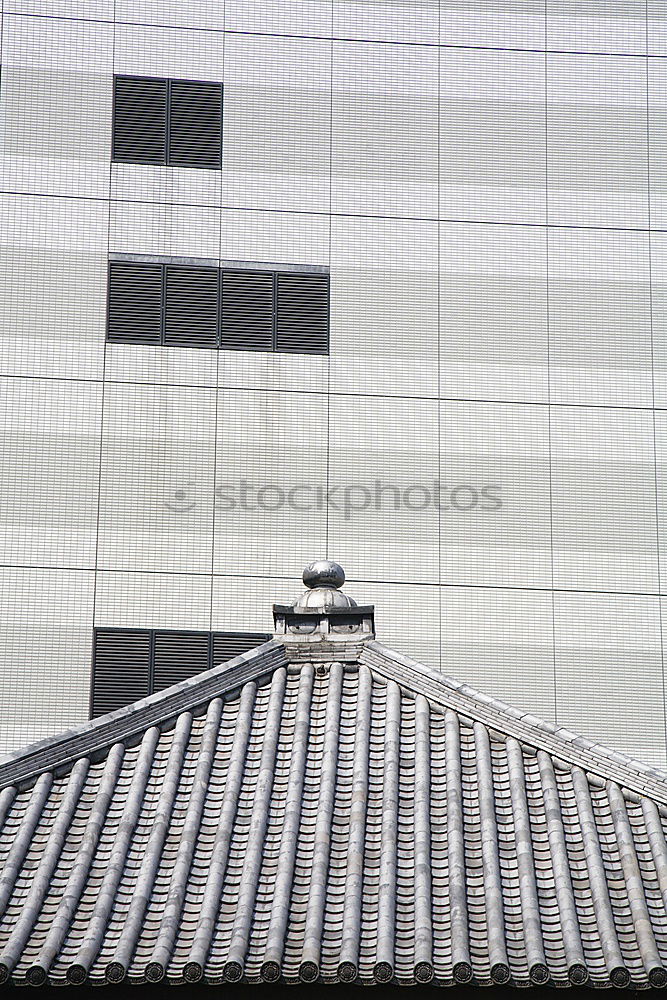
x: 323, y: 578
x: 323, y: 612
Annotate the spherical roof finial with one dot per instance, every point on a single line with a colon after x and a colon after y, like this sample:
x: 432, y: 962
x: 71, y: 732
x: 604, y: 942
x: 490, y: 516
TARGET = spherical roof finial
x: 323, y: 573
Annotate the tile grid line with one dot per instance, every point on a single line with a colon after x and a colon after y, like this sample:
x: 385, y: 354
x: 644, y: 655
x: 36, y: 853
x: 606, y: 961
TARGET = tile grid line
x: 525, y: 224
x: 656, y: 485
x: 102, y: 401
x: 411, y: 43
x: 352, y: 580
x: 498, y: 401
x: 330, y: 244
x: 548, y: 345
x: 216, y: 434
x: 439, y: 348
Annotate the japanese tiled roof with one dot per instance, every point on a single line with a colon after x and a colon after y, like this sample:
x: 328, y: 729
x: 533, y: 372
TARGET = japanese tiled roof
x: 350, y: 816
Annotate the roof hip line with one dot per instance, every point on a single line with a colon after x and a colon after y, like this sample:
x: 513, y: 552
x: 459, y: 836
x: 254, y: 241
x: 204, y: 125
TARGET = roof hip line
x: 563, y: 745
x: 94, y: 737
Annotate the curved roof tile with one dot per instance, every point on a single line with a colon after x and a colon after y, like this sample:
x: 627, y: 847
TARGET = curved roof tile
x: 352, y: 818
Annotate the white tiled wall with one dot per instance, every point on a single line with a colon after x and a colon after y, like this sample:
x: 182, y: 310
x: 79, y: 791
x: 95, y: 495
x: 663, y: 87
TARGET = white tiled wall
x: 657, y: 139
x: 501, y: 640
x: 494, y: 342
x: 594, y: 26
x: 492, y: 136
x: 55, y: 125
x: 156, y: 479
x: 492, y: 23
x: 387, y: 20
x: 165, y: 230
x: 309, y: 18
x: 384, y: 158
x: 270, y: 463
x: 608, y: 645
x: 45, y: 651
x: 494, y: 475
x: 160, y: 600
x: 657, y: 27
x: 485, y: 182
x: 277, y: 123
x: 603, y: 497
x: 384, y: 307
x: 600, y: 348
x: 597, y: 141
x: 658, y: 247
x: 173, y: 13
x: 50, y: 460
x: 383, y: 456
x: 53, y: 276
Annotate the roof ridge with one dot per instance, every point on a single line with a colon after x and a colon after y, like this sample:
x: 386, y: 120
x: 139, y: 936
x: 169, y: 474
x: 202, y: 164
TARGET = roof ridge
x: 561, y: 742
x: 56, y: 752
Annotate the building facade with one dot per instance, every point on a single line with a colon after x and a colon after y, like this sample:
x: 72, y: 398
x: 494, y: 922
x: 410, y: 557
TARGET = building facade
x: 484, y: 443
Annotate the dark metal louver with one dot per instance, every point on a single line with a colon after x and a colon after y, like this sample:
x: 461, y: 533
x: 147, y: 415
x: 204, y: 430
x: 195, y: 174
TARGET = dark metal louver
x: 195, y: 124
x: 183, y: 305
x: 129, y: 664
x: 135, y: 303
x: 139, y: 120
x: 191, y: 306
x: 227, y: 645
x: 121, y: 668
x: 179, y: 655
x: 247, y: 310
x: 302, y: 321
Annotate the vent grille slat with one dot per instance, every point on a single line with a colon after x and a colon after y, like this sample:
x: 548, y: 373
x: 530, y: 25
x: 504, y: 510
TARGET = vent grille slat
x: 135, y: 303
x: 247, y: 311
x: 195, y: 125
x: 139, y: 120
x: 179, y: 655
x: 121, y: 668
x: 302, y: 323
x: 227, y: 645
x: 191, y: 306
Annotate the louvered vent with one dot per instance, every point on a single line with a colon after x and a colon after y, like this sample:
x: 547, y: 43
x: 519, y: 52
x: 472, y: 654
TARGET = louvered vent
x: 183, y: 305
x: 195, y: 124
x: 139, y: 120
x: 121, y: 668
x: 130, y: 664
x: 179, y: 655
x: 247, y: 310
x: 191, y: 306
x: 227, y: 645
x: 135, y: 303
x: 302, y: 325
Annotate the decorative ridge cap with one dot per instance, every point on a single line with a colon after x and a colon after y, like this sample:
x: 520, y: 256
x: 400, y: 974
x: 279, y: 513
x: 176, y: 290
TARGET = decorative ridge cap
x: 58, y: 752
x: 560, y: 742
